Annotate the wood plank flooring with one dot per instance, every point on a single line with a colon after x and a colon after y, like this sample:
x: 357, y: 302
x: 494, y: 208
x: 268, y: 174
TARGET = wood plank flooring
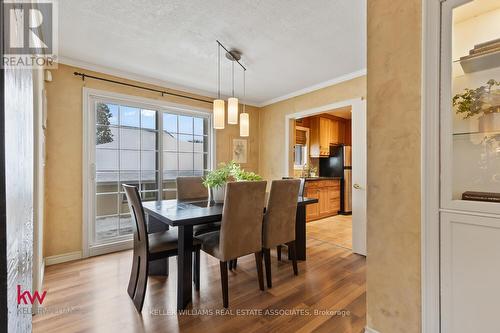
x: 90, y: 295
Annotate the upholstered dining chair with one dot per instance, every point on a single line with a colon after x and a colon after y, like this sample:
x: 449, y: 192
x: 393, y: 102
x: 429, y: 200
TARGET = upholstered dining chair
x: 191, y: 188
x: 279, y: 221
x: 150, y: 247
x: 301, y: 194
x: 241, y: 229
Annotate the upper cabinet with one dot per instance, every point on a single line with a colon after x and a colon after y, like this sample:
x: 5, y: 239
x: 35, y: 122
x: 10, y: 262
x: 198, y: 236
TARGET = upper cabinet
x: 324, y: 132
x: 470, y: 106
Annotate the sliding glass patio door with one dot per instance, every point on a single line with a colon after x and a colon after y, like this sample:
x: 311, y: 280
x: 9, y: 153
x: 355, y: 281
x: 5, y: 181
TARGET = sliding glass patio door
x: 138, y: 144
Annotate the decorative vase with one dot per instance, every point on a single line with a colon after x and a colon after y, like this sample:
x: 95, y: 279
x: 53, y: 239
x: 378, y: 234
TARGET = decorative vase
x: 489, y: 122
x: 217, y: 193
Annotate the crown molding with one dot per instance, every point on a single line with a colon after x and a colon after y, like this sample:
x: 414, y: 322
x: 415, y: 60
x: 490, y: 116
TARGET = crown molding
x: 317, y: 86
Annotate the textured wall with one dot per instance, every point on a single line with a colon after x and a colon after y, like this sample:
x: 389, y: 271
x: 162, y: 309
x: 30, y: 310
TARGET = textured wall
x: 393, y: 119
x: 272, y: 121
x: 19, y: 190
x: 64, y: 139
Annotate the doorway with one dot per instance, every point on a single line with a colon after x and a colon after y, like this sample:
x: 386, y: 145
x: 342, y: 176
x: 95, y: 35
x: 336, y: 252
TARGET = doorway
x: 318, y: 139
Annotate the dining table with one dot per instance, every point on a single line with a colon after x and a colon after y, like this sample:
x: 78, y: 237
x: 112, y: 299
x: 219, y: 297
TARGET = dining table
x: 164, y: 214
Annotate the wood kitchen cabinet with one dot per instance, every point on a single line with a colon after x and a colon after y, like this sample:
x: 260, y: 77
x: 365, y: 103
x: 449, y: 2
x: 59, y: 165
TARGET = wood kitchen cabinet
x: 323, y: 133
x: 327, y: 191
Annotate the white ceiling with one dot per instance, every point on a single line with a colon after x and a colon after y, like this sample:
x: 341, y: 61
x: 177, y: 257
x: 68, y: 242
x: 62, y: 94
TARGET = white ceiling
x: 473, y: 9
x: 344, y: 112
x: 288, y: 45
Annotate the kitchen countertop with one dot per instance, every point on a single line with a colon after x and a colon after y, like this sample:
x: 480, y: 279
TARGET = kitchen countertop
x: 322, y: 178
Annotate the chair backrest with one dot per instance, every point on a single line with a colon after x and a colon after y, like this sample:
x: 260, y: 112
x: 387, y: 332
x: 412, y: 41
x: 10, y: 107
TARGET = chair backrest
x: 137, y: 214
x: 191, y: 188
x: 241, y: 225
x: 279, y: 221
x: 302, y: 185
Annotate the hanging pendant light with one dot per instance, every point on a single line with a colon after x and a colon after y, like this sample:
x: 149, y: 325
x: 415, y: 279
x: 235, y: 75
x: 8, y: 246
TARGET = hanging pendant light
x: 219, y: 109
x: 244, y: 117
x: 232, y: 105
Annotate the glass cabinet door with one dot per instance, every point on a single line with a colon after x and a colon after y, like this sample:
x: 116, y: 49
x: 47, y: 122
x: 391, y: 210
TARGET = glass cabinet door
x: 470, y: 106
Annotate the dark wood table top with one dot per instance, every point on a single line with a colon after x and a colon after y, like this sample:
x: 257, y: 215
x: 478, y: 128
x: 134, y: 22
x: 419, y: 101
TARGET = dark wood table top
x: 176, y: 213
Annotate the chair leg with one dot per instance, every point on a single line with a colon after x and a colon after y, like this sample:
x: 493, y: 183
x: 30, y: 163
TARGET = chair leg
x: 291, y: 250
x: 224, y: 281
x: 267, y: 262
x: 132, y: 282
x: 196, y: 275
x: 278, y: 250
x: 142, y: 282
x: 230, y: 264
x: 258, y: 263
x: 235, y: 263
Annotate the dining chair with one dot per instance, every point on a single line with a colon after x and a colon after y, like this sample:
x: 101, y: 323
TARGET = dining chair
x: 279, y: 221
x: 191, y: 188
x: 241, y: 229
x: 301, y: 194
x: 150, y: 247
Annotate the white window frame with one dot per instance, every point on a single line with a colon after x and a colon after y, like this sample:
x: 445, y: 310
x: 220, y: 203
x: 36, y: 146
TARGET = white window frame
x: 88, y: 158
x: 306, y: 154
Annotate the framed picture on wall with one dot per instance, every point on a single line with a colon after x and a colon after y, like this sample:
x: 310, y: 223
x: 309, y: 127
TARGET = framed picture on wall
x: 240, y: 150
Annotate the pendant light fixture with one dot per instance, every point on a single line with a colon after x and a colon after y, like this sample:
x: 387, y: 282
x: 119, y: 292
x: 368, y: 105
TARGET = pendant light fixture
x: 244, y: 117
x: 232, y: 103
x: 219, y: 109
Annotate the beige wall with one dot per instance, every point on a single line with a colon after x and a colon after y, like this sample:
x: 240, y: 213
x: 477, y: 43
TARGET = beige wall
x: 393, y: 119
x: 272, y: 121
x: 63, y: 182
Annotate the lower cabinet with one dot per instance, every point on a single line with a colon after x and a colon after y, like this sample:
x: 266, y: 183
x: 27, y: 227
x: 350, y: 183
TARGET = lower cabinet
x: 328, y: 194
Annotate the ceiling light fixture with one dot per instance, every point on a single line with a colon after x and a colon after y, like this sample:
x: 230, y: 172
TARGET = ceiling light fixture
x: 244, y: 117
x: 232, y: 102
x: 219, y: 109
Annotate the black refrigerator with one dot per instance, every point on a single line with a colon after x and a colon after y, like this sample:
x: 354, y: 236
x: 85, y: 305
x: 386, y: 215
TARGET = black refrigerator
x: 338, y: 165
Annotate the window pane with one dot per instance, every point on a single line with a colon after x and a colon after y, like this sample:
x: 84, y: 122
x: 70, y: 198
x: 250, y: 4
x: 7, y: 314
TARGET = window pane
x: 186, y: 143
x: 106, y: 227
x: 124, y: 209
x: 170, y: 161
x: 106, y: 114
x: 200, y: 162
x: 170, y: 174
x: 149, y: 196
x: 129, y: 160
x: 148, y: 160
x: 170, y: 122
x: 169, y: 195
x: 148, y: 119
x: 148, y: 140
x: 186, y: 173
x: 199, y: 143
x: 185, y: 125
x: 129, y: 116
x: 169, y: 184
x: 149, y: 180
x: 129, y: 138
x: 200, y: 126
x: 129, y: 178
x: 185, y: 161
x: 125, y: 225
x: 106, y: 182
x: 106, y: 204
x: 106, y: 160
x: 106, y: 136
x: 169, y: 141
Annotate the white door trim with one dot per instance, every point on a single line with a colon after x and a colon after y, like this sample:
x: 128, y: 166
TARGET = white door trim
x: 430, y: 252
x: 359, y: 232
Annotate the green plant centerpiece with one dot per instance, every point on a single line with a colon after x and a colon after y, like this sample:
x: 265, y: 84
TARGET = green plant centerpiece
x: 216, y: 180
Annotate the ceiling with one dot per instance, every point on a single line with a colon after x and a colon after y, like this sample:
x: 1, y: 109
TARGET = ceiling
x: 289, y: 46
x: 473, y: 9
x: 344, y: 112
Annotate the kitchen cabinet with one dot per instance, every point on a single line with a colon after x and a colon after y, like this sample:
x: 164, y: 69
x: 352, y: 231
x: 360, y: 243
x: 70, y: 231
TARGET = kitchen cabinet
x: 324, y: 132
x: 327, y: 191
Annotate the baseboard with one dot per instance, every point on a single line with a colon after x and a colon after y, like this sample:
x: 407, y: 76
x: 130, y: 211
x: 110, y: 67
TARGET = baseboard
x: 370, y: 330
x: 65, y: 257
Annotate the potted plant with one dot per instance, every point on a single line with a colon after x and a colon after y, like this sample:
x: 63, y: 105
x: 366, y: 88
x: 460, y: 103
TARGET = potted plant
x: 484, y: 102
x: 216, y: 180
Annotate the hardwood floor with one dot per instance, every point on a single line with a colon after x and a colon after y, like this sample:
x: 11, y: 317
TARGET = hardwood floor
x: 91, y: 295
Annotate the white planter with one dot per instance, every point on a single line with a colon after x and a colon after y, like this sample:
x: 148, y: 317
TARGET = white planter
x: 217, y: 194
